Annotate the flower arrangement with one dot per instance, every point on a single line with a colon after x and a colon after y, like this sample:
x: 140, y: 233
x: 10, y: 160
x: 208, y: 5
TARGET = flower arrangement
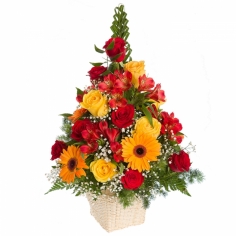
x: 119, y: 138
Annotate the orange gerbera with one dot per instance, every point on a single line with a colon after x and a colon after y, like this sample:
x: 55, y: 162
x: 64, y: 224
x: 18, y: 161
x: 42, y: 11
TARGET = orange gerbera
x: 139, y: 150
x: 77, y: 114
x: 73, y: 164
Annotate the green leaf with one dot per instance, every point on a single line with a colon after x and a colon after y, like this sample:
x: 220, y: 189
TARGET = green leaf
x: 57, y: 186
x: 162, y: 164
x: 79, y: 91
x: 177, y: 148
x: 138, y: 99
x: 121, y: 167
x: 115, y: 57
x: 71, y: 142
x: 65, y: 115
x: 155, y: 113
x: 96, y: 63
x: 121, y: 64
x: 111, y: 45
x: 98, y: 49
x: 105, y: 73
x: 148, y: 114
x: 128, y: 94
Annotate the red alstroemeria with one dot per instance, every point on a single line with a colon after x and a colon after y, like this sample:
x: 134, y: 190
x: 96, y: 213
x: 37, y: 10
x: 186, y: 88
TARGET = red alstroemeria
x: 91, y: 132
x: 89, y: 148
x: 145, y: 83
x: 117, y: 99
x: 103, y: 125
x: 110, y: 133
x: 116, y: 148
x: 108, y: 83
x: 157, y: 94
x: 124, y: 80
x: 171, y: 126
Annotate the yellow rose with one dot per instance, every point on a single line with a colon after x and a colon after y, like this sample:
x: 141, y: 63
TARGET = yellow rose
x: 143, y: 126
x: 95, y: 103
x: 102, y: 170
x: 136, y: 68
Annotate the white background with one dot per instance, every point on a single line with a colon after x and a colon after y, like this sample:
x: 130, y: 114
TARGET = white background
x: 45, y: 49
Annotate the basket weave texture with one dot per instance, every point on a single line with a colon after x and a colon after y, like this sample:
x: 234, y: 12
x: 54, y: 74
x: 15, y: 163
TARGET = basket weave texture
x: 111, y: 215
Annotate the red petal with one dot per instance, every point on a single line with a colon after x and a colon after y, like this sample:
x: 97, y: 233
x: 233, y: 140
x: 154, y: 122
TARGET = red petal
x: 112, y: 134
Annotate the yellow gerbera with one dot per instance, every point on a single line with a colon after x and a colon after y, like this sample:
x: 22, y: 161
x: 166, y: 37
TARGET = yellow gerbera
x: 139, y: 150
x: 72, y: 164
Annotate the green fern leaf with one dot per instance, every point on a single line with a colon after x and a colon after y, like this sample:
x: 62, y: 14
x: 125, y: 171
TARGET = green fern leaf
x: 57, y: 186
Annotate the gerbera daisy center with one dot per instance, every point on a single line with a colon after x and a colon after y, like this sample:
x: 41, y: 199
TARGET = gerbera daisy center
x: 140, y: 151
x: 72, y: 163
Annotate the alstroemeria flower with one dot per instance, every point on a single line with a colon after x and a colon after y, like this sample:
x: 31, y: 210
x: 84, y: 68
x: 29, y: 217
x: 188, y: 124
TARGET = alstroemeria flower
x: 154, y: 111
x: 116, y: 148
x: 110, y: 133
x: 91, y: 132
x: 117, y: 99
x: 171, y: 127
x: 157, y: 94
x: 145, y: 83
x: 108, y: 83
x: 103, y: 125
x: 91, y: 147
x: 124, y: 80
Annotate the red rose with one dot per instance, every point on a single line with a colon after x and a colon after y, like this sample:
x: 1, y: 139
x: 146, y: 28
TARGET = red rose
x: 95, y: 73
x: 77, y: 129
x: 179, y: 163
x: 118, y: 49
x: 123, y: 116
x: 57, y: 148
x: 132, y: 179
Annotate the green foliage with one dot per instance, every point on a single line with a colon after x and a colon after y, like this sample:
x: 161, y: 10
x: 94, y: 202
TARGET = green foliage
x: 98, y: 49
x: 120, y: 29
x: 111, y: 45
x: 65, y: 115
x: 66, y: 128
x: 192, y: 176
x: 172, y: 182
x: 58, y: 185
x: 96, y: 63
x: 147, y: 114
x: 79, y: 91
x: 126, y: 197
x: 129, y: 94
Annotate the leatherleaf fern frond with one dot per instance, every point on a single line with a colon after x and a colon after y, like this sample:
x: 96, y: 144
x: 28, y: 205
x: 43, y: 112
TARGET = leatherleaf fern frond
x: 58, y: 185
x: 120, y: 29
x: 66, y: 128
x: 171, y: 181
x: 193, y: 175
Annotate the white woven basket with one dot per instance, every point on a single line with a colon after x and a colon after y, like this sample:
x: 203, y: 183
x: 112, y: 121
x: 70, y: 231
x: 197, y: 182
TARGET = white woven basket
x: 111, y: 215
